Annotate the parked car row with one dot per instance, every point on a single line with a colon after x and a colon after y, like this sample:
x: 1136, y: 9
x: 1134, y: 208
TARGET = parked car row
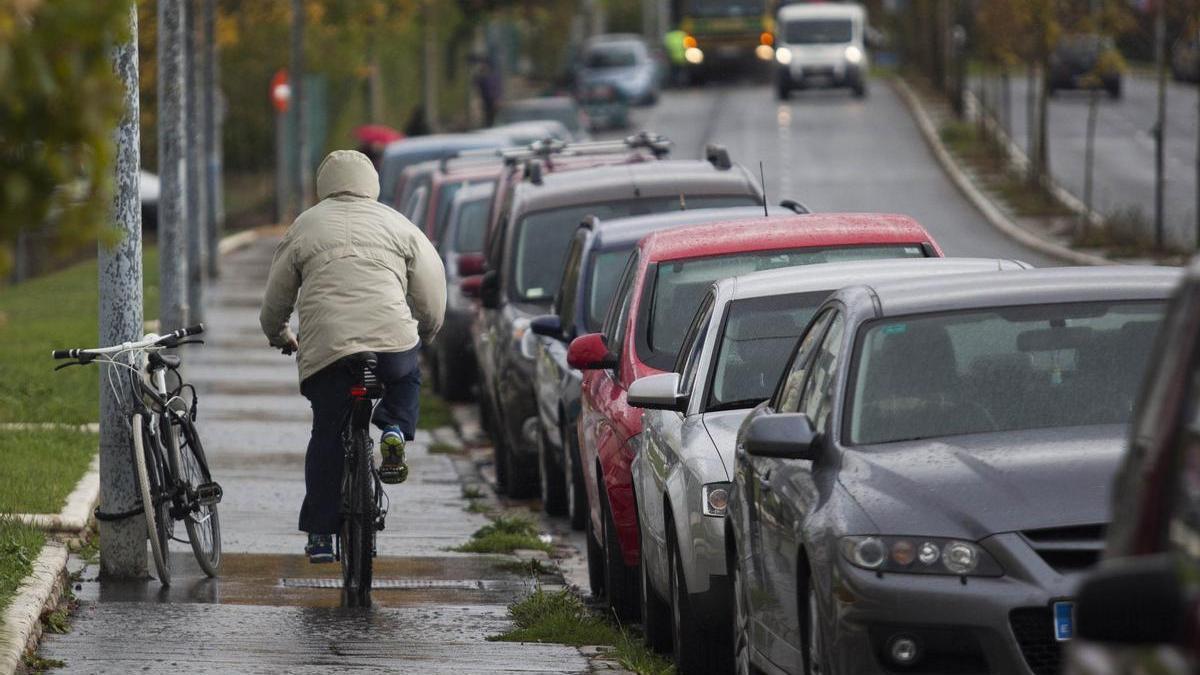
x: 809, y: 443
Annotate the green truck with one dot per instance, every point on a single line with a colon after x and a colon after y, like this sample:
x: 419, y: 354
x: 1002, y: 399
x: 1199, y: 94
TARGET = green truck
x: 724, y: 37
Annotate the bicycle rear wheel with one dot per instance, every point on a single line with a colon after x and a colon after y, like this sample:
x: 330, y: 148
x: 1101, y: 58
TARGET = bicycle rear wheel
x: 357, y: 536
x: 145, y: 461
x: 202, y: 523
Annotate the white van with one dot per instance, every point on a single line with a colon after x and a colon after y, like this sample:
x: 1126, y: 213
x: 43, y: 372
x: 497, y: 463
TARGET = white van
x: 821, y: 45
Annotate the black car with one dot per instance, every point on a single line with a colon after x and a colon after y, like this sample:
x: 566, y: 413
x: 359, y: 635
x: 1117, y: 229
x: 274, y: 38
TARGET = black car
x: 525, y: 256
x: 1140, y: 611
x: 1086, y: 62
x: 592, y: 267
x: 932, y: 474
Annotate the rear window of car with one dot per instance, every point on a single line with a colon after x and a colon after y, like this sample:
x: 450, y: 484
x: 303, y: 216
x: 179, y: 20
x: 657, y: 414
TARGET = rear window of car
x: 472, y: 223
x: 817, y: 31
x: 541, y: 238
x: 611, y: 56
x: 680, y: 284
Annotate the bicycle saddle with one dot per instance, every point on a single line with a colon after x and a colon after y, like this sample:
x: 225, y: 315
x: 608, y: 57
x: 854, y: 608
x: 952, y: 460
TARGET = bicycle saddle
x: 361, y: 360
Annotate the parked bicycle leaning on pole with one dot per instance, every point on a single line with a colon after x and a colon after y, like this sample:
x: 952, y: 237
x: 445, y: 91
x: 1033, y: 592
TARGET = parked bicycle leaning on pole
x: 362, y: 278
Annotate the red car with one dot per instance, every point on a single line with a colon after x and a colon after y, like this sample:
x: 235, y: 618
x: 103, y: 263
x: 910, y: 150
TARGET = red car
x: 660, y: 290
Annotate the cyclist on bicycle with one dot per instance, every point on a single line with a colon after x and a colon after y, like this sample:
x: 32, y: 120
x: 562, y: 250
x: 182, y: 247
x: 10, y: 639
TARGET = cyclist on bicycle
x: 362, y: 279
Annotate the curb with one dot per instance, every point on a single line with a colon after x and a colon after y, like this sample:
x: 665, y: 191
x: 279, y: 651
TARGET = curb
x: 22, y: 627
x: 76, y: 516
x: 991, y: 213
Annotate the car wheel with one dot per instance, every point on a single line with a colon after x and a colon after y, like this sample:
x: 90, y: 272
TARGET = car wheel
x: 860, y: 90
x: 577, y: 507
x: 454, y: 376
x: 1113, y: 87
x: 620, y: 580
x: 656, y: 613
x: 521, y: 476
x: 697, y: 645
x: 550, y: 478
x: 741, y: 622
x: 812, y: 647
x: 595, y: 558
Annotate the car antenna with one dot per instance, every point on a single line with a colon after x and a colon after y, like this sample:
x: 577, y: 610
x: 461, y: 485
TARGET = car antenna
x: 762, y: 179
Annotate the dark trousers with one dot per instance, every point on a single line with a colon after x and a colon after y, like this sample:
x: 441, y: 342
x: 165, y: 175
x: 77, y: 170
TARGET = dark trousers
x: 328, y: 390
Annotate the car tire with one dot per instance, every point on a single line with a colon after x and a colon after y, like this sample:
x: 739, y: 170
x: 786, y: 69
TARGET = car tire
x: 698, y: 647
x: 742, y: 662
x: 521, y: 476
x: 782, y: 90
x: 577, y: 506
x: 812, y: 640
x: 595, y: 558
x: 550, y: 478
x: 1113, y: 87
x: 620, y: 580
x: 454, y: 377
x: 859, y: 89
x: 656, y: 612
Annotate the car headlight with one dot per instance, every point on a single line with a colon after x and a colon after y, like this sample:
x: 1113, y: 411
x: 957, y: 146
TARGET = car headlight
x: 715, y: 499
x: 693, y: 55
x: 854, y: 54
x: 783, y: 55
x: 919, y: 555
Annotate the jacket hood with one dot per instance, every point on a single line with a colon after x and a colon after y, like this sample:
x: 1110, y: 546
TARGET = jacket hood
x: 347, y: 172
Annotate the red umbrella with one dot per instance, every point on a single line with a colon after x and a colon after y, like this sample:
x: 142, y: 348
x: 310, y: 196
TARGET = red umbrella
x: 373, y: 134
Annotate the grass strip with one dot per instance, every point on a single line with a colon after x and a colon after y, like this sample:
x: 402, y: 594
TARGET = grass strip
x: 20, y: 545
x: 55, y: 311
x: 561, y: 617
x: 41, y: 467
x: 505, y: 534
x: 435, y: 412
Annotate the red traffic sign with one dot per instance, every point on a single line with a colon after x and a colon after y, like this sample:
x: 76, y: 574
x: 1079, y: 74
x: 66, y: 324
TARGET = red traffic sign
x: 281, y: 91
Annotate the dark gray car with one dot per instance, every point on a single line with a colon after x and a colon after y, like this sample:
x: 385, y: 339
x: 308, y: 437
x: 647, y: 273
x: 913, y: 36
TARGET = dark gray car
x: 931, y: 476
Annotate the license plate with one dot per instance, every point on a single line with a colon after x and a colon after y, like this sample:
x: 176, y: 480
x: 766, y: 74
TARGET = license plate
x: 1064, y: 621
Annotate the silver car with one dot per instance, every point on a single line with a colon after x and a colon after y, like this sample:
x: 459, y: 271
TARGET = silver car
x: 731, y: 360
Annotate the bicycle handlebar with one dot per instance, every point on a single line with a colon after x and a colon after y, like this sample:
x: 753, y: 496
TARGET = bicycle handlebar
x: 168, y: 340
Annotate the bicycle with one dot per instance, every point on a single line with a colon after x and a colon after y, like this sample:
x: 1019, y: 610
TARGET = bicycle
x: 172, y: 470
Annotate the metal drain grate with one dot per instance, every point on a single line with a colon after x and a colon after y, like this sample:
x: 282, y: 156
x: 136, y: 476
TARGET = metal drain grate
x: 409, y: 584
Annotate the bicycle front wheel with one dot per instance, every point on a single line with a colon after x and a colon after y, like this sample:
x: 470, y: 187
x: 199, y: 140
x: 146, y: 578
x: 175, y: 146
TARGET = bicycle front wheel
x: 148, y: 475
x: 203, y: 525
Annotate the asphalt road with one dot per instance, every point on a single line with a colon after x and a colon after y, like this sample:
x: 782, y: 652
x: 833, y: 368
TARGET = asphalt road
x: 1124, y: 173
x: 833, y: 152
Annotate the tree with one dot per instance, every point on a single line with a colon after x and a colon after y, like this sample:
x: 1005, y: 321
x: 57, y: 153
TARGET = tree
x: 59, y: 105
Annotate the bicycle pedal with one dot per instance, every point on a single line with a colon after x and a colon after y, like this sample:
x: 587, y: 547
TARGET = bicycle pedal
x: 208, y: 494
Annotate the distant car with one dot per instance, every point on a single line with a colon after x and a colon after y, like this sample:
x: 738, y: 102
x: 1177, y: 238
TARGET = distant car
x: 821, y: 45
x: 1086, y: 62
x: 1185, y: 60
x: 429, y: 189
x: 623, y: 62
x: 660, y: 289
x: 592, y: 267
x: 416, y: 149
x: 524, y: 133
x: 730, y: 361
x: 1139, y: 612
x: 932, y: 473
x: 452, y: 356
x: 562, y: 109
x: 525, y: 257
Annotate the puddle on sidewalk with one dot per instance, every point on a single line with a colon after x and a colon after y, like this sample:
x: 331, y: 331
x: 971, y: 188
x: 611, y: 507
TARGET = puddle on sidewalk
x: 290, y: 581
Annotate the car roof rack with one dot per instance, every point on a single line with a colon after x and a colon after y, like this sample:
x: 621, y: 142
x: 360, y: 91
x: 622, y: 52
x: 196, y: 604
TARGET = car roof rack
x: 795, y: 206
x: 657, y: 144
x: 718, y: 156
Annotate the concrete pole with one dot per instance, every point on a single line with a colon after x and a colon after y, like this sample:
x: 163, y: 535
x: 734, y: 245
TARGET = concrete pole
x: 215, y: 213
x: 122, y: 542
x: 172, y: 201
x: 300, y: 172
x: 197, y: 217
x: 1160, y: 123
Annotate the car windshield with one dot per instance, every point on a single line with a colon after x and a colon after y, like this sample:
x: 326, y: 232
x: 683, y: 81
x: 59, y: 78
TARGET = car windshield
x: 818, y: 32
x: 606, y: 272
x: 753, y: 348
x: 1029, y: 367
x: 681, y: 284
x: 611, y: 56
x: 472, y: 221
x: 542, y: 237
x: 720, y: 8
x: 559, y: 112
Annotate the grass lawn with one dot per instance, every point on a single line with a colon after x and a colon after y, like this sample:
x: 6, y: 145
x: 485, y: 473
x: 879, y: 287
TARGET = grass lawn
x: 40, y: 468
x: 20, y: 545
x: 54, y: 312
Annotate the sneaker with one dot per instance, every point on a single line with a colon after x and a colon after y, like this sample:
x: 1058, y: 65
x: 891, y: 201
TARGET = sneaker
x: 394, y: 470
x: 319, y: 548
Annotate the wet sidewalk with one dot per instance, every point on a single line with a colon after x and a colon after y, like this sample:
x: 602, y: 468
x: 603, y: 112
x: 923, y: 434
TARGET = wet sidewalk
x: 270, y: 611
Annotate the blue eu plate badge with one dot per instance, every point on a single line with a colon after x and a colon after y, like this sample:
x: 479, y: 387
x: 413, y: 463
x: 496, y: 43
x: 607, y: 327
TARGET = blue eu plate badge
x: 1064, y: 621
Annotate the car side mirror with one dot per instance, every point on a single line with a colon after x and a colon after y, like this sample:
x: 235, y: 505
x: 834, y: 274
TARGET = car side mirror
x: 1132, y: 601
x: 657, y: 392
x: 783, y: 435
x: 590, y: 352
x: 489, y: 290
x: 470, y: 264
x: 547, y: 325
x: 470, y: 285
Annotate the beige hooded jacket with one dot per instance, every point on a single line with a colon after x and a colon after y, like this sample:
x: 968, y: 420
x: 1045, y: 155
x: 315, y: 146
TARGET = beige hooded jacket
x: 361, y: 276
